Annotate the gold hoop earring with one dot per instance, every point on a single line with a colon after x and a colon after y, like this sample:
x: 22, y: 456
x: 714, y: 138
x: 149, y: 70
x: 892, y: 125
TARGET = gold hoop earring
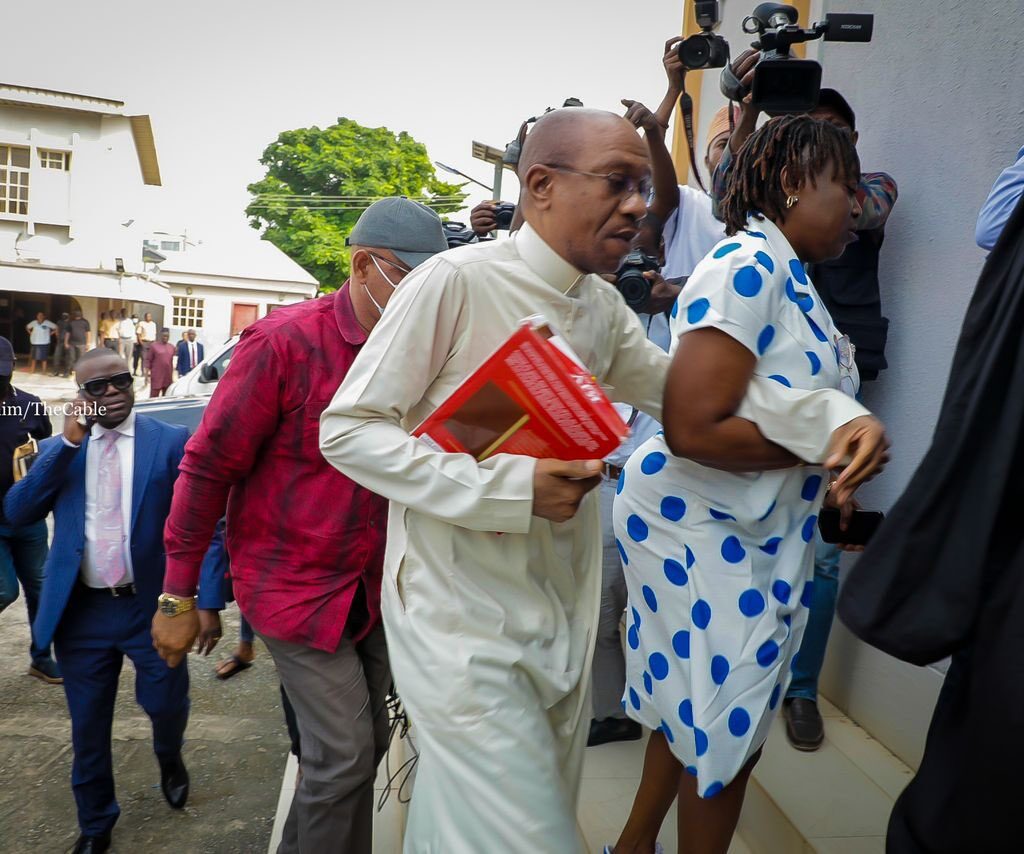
x: 791, y: 200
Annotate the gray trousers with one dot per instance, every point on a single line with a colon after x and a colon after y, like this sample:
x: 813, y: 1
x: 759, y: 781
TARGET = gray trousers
x: 609, y: 668
x: 341, y: 710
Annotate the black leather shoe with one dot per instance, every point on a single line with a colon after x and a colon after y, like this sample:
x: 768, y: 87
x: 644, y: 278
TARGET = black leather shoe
x: 804, y: 726
x: 91, y: 844
x: 174, y: 782
x: 613, y: 729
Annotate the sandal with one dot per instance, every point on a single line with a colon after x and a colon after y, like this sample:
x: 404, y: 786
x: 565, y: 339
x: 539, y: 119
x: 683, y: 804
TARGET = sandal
x: 240, y: 664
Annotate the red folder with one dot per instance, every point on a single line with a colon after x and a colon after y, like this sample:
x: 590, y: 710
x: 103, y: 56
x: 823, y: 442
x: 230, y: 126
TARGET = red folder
x: 532, y: 397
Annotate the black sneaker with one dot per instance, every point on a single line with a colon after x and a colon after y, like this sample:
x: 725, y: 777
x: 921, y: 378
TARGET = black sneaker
x: 804, y: 727
x: 613, y: 729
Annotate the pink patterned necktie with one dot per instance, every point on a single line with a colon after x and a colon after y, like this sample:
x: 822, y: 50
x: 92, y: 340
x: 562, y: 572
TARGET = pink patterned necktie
x: 109, y: 551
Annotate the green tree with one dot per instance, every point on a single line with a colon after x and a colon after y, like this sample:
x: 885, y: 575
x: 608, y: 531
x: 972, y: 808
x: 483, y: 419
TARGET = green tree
x: 319, y: 181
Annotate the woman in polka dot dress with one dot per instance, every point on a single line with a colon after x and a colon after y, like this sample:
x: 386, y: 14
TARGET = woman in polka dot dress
x: 714, y: 522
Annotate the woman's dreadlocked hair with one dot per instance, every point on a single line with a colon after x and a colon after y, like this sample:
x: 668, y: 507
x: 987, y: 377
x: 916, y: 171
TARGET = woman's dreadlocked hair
x: 801, y: 145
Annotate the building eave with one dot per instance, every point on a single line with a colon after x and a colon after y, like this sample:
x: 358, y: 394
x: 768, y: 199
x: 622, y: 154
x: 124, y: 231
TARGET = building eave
x: 145, y: 147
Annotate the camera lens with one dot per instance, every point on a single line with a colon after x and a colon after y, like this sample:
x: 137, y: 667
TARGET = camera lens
x: 695, y: 51
x: 635, y: 289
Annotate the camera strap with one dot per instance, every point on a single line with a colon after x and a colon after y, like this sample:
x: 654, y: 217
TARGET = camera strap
x: 686, y: 106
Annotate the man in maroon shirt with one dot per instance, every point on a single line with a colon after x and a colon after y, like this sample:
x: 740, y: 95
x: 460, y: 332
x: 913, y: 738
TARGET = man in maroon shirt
x: 306, y: 543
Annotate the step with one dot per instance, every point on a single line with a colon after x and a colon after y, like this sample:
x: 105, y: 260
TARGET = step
x: 836, y: 800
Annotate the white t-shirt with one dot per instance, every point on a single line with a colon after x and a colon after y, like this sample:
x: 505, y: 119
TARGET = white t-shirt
x: 691, y: 231
x: 40, y: 332
x: 126, y: 328
x: 147, y: 330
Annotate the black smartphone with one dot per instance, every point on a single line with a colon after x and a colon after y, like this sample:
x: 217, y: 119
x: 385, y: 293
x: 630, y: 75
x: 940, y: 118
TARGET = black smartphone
x: 859, y: 530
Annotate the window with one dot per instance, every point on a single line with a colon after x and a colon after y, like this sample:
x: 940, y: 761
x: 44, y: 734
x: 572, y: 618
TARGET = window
x: 13, y: 180
x: 170, y: 246
x: 55, y: 159
x: 187, y: 312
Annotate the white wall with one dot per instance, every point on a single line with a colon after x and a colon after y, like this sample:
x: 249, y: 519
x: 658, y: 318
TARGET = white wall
x: 217, y: 308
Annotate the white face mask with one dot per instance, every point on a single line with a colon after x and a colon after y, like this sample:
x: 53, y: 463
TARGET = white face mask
x: 394, y: 285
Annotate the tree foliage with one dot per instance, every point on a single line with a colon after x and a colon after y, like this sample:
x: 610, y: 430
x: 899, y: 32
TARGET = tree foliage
x: 319, y: 181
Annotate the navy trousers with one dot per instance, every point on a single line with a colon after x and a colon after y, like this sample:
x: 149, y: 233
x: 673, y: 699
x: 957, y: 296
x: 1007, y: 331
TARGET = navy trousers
x: 95, y: 634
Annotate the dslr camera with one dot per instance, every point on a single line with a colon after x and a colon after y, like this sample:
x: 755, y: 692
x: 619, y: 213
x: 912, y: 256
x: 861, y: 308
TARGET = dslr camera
x: 782, y: 82
x: 630, y: 280
x: 704, y: 50
x: 503, y: 213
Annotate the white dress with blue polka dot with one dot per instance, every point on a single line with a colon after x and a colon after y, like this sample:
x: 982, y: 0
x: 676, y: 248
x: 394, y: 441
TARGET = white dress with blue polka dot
x: 719, y: 564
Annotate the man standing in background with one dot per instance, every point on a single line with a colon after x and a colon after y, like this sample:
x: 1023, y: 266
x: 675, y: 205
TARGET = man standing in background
x: 125, y: 336
x: 40, y: 332
x: 78, y: 339
x: 108, y: 330
x: 190, y: 353
x: 146, y: 336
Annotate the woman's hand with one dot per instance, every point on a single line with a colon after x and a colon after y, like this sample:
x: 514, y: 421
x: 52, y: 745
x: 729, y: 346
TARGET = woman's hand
x: 861, y: 449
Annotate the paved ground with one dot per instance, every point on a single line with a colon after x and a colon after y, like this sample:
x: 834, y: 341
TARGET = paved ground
x: 235, y: 752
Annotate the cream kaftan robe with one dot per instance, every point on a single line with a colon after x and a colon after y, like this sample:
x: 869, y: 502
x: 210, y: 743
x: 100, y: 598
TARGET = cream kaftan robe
x: 489, y: 612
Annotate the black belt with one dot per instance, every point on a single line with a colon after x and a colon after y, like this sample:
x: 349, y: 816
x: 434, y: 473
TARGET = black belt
x: 123, y: 590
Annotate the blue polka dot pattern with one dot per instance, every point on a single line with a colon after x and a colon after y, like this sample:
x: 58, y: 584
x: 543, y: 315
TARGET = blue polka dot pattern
x: 686, y: 712
x: 653, y: 463
x: 769, y: 511
x: 771, y: 547
x: 732, y: 550
x: 700, y: 741
x: 622, y: 552
x: 767, y: 653
x: 782, y: 591
x: 821, y: 336
x: 650, y: 598
x: 621, y: 483
x: 690, y: 559
x: 756, y: 234
x: 788, y: 620
x: 781, y: 380
x: 713, y: 789
x: 751, y: 603
x: 665, y: 728
x: 774, y: 699
x: 673, y: 508
x: 808, y: 530
x: 815, y: 363
x: 636, y: 617
x: 739, y: 722
x: 681, y: 643
x: 804, y: 301
x: 725, y: 249
x: 675, y: 573
x: 633, y: 637
x: 807, y: 596
x: 810, y: 488
x: 700, y: 613
x: 764, y: 340
x: 634, y: 699
x: 720, y: 515
x: 797, y: 269
x: 696, y: 310
x: 648, y: 683
x: 766, y: 261
x: 691, y: 770
x: 747, y: 282
x: 637, y: 528
x: 675, y: 308
x: 719, y: 669
x: 659, y: 665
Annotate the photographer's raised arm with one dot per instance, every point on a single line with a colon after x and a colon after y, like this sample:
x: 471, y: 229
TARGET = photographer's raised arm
x: 663, y: 171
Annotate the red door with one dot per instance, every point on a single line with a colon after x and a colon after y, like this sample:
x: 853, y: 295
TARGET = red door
x: 242, y: 314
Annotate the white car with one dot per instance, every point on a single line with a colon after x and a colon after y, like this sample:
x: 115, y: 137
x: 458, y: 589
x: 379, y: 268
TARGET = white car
x: 202, y: 379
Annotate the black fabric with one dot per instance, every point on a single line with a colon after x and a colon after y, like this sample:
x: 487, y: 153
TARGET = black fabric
x: 848, y: 285
x: 945, y: 576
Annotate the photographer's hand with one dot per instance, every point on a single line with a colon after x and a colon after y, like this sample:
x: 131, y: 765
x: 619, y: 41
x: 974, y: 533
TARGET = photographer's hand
x: 482, y: 219
x: 640, y: 117
x: 663, y: 293
x: 676, y: 73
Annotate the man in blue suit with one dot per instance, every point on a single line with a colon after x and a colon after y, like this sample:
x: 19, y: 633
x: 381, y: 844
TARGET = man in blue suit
x: 108, y: 480
x: 190, y: 353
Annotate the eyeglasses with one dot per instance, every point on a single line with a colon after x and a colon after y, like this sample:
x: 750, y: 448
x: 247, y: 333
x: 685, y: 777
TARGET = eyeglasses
x: 405, y: 271
x: 845, y: 355
x: 620, y: 185
x: 98, y: 387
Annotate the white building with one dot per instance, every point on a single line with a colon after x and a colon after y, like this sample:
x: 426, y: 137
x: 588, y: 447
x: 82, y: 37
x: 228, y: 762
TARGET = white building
x: 72, y: 169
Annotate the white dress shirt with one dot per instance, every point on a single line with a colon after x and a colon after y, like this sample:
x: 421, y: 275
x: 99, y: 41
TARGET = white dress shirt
x: 147, y: 330
x: 126, y: 453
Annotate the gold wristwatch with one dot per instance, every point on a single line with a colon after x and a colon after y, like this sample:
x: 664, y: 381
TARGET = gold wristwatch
x: 171, y: 606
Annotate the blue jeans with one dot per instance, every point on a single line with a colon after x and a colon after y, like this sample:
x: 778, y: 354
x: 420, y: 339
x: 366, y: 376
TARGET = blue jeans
x: 809, y: 660
x: 23, y: 552
x: 245, y: 632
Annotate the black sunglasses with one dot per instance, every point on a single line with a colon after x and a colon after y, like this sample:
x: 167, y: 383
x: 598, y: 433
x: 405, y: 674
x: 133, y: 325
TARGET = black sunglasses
x: 98, y: 387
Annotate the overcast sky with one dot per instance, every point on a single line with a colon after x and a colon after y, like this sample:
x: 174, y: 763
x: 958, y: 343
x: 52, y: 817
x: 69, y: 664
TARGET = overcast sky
x: 221, y: 78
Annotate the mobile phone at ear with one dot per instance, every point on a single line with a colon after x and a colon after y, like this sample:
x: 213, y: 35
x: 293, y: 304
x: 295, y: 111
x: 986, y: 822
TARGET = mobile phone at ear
x: 859, y: 530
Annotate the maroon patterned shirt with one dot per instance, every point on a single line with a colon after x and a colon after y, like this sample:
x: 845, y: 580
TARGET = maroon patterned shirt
x: 303, y: 538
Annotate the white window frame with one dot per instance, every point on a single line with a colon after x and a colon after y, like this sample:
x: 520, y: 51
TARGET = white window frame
x: 16, y: 190
x: 188, y: 312
x: 51, y: 159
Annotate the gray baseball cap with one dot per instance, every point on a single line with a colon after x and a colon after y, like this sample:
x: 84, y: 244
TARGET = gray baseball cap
x: 411, y: 230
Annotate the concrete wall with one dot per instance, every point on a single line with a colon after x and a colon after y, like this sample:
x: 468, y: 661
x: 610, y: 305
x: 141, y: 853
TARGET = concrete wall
x: 217, y: 308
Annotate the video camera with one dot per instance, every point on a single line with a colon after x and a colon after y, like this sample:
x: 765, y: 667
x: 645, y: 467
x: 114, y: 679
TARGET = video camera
x: 782, y: 83
x: 631, y: 282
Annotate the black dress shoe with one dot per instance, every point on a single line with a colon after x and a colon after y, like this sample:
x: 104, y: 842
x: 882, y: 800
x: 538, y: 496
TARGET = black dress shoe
x: 613, y: 729
x: 174, y: 782
x: 804, y: 726
x: 91, y: 844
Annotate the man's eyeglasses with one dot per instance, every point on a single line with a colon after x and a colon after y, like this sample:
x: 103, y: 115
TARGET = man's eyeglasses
x: 405, y: 271
x: 98, y: 387
x: 620, y: 185
x: 845, y: 355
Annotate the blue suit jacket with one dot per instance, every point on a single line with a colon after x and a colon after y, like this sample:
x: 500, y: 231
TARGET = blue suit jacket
x: 183, y: 357
x: 56, y: 482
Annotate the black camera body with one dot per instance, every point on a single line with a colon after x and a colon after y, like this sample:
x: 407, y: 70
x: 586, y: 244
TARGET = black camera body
x: 784, y: 83
x: 503, y: 213
x: 705, y: 49
x: 630, y: 280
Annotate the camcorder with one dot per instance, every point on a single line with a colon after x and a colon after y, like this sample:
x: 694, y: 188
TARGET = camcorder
x: 782, y: 83
x: 631, y: 282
